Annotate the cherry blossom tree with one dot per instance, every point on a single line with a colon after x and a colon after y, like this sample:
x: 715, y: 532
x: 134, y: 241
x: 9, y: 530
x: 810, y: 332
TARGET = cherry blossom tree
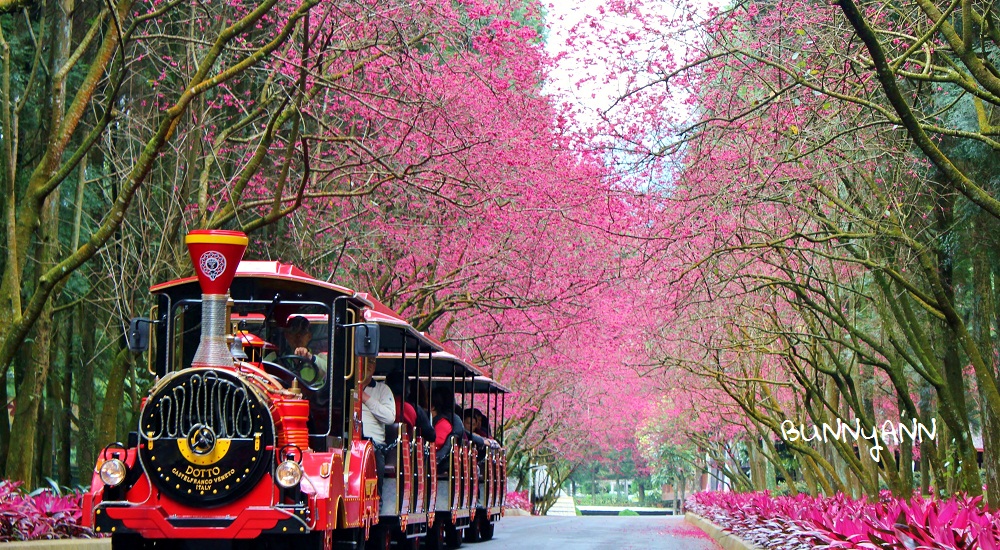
x: 796, y: 225
x: 78, y: 88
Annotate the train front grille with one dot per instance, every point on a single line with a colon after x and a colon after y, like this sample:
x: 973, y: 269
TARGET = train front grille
x: 204, y: 435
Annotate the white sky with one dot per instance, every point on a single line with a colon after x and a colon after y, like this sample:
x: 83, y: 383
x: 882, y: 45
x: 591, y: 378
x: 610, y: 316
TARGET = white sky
x: 595, y: 94
x: 564, y: 78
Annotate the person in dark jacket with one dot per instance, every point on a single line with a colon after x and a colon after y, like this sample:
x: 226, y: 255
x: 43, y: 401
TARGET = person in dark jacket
x: 408, y: 412
x: 446, y: 422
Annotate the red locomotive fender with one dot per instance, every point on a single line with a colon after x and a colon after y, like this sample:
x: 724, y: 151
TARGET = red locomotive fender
x: 92, y: 497
x: 323, y: 482
x: 361, y: 501
x: 155, y: 516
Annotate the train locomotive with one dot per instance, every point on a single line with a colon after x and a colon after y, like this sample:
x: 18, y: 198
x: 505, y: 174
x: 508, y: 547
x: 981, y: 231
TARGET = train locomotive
x: 242, y: 443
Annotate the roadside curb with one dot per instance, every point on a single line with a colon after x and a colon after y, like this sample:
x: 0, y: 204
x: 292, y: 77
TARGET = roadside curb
x: 725, y: 539
x: 60, y: 544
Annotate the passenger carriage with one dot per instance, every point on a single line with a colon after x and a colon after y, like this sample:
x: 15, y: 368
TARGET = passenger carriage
x: 491, y: 485
x: 241, y: 444
x: 479, y: 495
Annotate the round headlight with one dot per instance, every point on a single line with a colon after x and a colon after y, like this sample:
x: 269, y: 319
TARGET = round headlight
x: 113, y: 472
x: 288, y: 474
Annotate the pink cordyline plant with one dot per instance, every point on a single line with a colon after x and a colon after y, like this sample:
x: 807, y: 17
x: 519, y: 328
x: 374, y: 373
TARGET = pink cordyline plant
x: 518, y: 499
x: 41, y: 515
x: 840, y: 522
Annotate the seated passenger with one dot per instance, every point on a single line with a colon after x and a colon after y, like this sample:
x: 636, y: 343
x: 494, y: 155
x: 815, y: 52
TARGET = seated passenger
x: 469, y: 418
x: 409, y: 413
x: 481, y: 424
x: 378, y: 408
x: 446, y: 422
x: 477, y: 424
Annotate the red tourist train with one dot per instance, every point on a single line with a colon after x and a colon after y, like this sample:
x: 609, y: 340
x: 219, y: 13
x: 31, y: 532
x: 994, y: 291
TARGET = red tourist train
x: 242, y: 443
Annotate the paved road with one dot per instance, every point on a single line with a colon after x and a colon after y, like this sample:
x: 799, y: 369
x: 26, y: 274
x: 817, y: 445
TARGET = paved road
x: 596, y: 533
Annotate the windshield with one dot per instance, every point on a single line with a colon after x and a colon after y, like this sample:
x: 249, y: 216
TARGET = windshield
x: 265, y: 329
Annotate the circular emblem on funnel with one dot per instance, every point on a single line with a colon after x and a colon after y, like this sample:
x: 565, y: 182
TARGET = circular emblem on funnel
x: 201, y: 439
x: 213, y: 264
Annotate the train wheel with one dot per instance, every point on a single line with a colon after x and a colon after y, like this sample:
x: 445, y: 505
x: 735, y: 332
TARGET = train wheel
x: 486, y: 528
x: 130, y: 541
x: 435, y: 538
x: 358, y: 538
x: 379, y: 538
x: 404, y: 543
x: 472, y: 531
x: 453, y: 536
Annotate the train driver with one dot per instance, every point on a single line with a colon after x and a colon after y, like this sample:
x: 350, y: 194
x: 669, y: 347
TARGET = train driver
x: 297, y: 336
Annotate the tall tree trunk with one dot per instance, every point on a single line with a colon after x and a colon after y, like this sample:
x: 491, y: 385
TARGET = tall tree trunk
x: 983, y: 312
x: 4, y: 426
x: 65, y: 430
x: 30, y: 392
x: 114, y: 397
x: 757, y: 470
x: 905, y: 463
x: 930, y: 461
x: 775, y: 461
x: 83, y: 362
x: 45, y: 449
x: 939, y: 265
x: 809, y: 478
x: 79, y: 354
x: 683, y: 492
x: 867, y: 383
x: 29, y: 409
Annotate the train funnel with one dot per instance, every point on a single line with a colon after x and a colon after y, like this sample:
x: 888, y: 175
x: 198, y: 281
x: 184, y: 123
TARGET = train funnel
x: 215, y: 255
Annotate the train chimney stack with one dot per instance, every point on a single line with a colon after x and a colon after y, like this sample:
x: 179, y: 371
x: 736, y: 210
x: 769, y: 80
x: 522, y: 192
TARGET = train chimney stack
x: 215, y: 255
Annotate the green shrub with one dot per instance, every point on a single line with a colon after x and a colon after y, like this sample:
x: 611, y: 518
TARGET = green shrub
x: 627, y: 512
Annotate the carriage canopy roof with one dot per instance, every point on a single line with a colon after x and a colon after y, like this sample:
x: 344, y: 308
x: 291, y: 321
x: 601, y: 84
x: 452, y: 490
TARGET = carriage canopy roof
x: 439, y: 364
x: 260, y: 280
x: 478, y: 384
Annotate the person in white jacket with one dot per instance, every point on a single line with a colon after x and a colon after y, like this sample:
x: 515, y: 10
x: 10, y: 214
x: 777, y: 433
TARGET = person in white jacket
x: 378, y: 406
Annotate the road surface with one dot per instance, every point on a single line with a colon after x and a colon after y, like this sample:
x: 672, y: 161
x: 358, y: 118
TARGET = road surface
x: 596, y: 533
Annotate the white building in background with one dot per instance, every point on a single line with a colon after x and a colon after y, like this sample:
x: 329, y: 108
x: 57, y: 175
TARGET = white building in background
x: 539, y: 481
x: 714, y: 479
